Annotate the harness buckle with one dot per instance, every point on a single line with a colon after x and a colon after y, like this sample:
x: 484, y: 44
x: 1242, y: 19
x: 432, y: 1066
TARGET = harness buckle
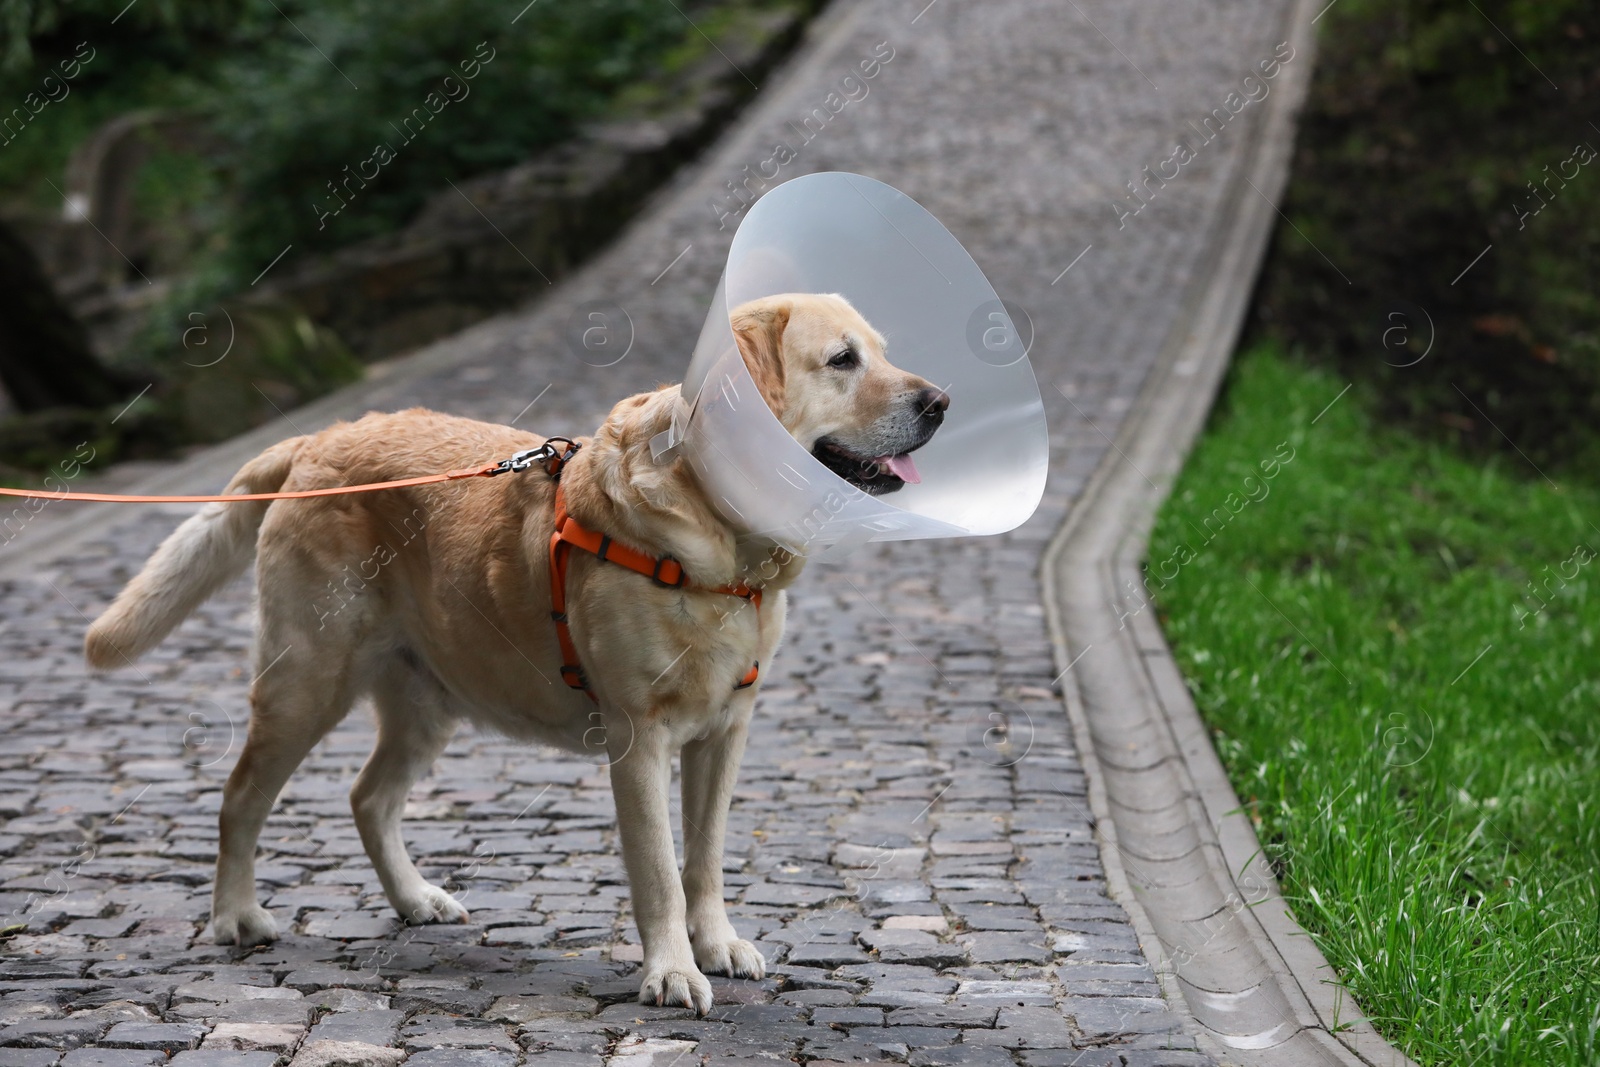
x: 655, y: 575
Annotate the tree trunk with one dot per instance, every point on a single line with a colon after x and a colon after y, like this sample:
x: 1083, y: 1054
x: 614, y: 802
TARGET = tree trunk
x: 45, y: 359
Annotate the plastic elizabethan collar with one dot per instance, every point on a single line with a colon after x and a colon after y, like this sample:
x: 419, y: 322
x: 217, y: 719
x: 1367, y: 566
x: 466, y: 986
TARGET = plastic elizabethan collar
x: 983, y: 472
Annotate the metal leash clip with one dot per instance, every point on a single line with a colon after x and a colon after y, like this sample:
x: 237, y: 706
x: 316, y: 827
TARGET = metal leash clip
x: 546, y: 456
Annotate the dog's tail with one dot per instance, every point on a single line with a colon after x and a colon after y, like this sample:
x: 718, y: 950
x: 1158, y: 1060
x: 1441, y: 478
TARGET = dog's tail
x: 200, y: 556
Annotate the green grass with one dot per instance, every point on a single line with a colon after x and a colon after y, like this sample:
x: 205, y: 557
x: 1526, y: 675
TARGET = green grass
x: 1416, y: 738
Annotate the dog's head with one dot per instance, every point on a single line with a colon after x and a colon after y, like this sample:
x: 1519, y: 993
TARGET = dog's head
x: 821, y: 367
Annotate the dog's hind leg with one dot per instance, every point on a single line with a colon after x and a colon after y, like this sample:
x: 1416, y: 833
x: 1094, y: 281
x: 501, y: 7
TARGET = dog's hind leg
x: 414, y: 726
x: 293, y: 705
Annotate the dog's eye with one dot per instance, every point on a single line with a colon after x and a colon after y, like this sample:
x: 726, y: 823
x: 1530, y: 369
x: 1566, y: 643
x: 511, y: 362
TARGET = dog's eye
x: 845, y: 359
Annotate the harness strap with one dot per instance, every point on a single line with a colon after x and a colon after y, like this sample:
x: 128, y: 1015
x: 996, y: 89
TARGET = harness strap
x: 664, y: 571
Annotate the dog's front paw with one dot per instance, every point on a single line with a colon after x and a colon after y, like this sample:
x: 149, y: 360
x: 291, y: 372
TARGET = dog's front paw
x: 675, y: 984
x: 430, y: 904
x: 732, y: 956
x: 249, y: 926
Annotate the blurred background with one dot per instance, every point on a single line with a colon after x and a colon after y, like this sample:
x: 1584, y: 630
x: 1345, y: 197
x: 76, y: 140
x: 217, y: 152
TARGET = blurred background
x: 157, y: 156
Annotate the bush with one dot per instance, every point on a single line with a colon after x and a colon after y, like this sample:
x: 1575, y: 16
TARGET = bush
x: 330, y: 146
x: 1424, y: 127
x: 297, y: 99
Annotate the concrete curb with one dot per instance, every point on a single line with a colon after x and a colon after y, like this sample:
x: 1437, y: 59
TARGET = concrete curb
x: 1179, y: 852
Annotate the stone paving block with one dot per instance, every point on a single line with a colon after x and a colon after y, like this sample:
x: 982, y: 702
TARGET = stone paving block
x: 1110, y: 988
x: 463, y: 1058
x: 1072, y: 972
x: 429, y: 1040
x: 55, y: 1033
x: 913, y: 946
x: 40, y: 970
x: 1003, y: 947
x: 572, y: 1039
x: 371, y: 1026
x: 112, y: 1057
x: 152, y: 1001
x: 781, y: 895
x: 757, y: 1015
x: 963, y: 1015
x: 253, y: 1037
x: 846, y: 1017
x: 313, y: 977
x: 852, y: 1048
x: 523, y: 936
x: 526, y: 1008
x: 1025, y: 1027
x: 100, y: 928
x: 267, y: 1012
x: 826, y: 955
x: 168, y: 1037
x: 35, y: 1057
x: 29, y: 1010
x: 347, y: 1000
x: 1013, y: 992
x: 1107, y: 1018
x: 222, y: 992
x: 446, y: 1001
x: 223, y: 1058
x: 350, y: 925
x: 997, y: 917
x: 651, y: 1052
x: 962, y: 1056
x: 1087, y: 1057
x: 1164, y: 1058
x: 346, y: 1054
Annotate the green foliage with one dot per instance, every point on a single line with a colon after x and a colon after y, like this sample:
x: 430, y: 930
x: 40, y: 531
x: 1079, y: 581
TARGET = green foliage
x: 158, y: 22
x: 298, y: 96
x: 395, y: 74
x: 289, y: 104
x: 1427, y: 121
x: 1393, y: 649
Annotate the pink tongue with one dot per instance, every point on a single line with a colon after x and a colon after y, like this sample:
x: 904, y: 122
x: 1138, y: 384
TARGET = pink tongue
x: 902, y: 467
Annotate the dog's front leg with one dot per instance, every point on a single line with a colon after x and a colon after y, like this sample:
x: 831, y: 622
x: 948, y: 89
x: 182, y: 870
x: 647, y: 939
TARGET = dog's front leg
x: 641, y: 775
x: 710, y: 767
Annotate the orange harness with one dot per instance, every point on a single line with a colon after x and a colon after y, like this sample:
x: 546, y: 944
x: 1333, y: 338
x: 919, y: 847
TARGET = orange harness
x: 664, y: 571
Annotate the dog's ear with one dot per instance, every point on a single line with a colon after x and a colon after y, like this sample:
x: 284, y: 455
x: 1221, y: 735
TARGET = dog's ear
x: 758, y: 327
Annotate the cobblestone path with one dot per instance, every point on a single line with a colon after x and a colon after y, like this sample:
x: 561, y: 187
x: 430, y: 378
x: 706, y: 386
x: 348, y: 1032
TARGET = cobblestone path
x: 910, y: 844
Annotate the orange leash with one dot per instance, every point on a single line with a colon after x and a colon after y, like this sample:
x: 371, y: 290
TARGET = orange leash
x: 546, y: 455
x: 233, y: 498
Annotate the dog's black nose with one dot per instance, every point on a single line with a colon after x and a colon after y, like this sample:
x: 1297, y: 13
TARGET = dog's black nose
x: 931, y: 404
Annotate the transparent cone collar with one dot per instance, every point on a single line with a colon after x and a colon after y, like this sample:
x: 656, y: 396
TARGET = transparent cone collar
x: 982, y: 472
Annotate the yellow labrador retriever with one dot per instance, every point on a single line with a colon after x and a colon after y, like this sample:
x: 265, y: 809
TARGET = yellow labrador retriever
x: 436, y: 600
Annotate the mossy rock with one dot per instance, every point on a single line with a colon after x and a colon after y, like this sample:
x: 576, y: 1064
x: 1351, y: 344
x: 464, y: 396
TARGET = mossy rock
x: 272, y: 359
